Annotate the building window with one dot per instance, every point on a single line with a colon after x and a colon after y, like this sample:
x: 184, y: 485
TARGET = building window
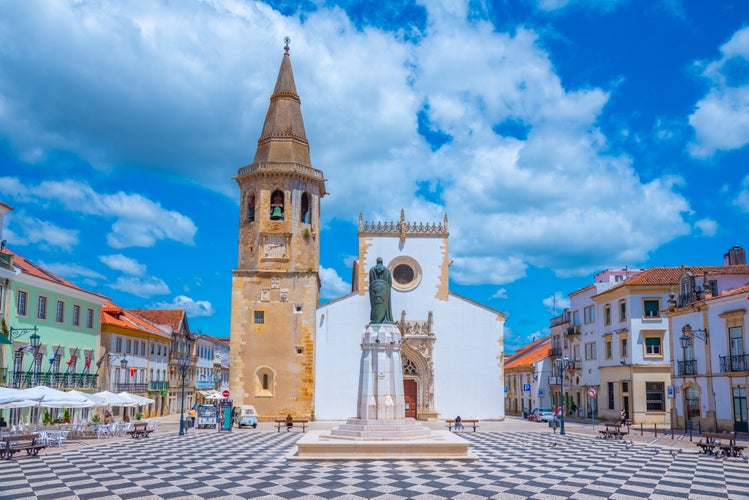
x: 651, y: 308
x: 575, y: 318
x: 624, y: 347
x: 128, y: 346
x: 622, y: 311
x: 76, y: 315
x: 736, y: 341
x: 653, y: 346
x: 21, y: 297
x: 118, y: 345
x: 610, y: 387
x: 2, y: 301
x: 607, y: 314
x: 656, y: 396
x: 590, y: 350
x: 259, y: 317
x: 589, y: 314
x: 153, y: 348
x: 60, y: 311
x: 264, y: 382
x: 89, y: 318
x: 609, y: 353
x: 41, y: 307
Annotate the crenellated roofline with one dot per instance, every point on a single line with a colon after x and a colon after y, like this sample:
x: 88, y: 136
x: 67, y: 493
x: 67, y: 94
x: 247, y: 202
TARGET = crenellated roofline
x: 402, y: 228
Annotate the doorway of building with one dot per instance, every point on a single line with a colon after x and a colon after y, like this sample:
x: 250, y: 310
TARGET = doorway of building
x: 625, y: 405
x: 740, y: 422
x: 692, y: 400
x: 409, y: 394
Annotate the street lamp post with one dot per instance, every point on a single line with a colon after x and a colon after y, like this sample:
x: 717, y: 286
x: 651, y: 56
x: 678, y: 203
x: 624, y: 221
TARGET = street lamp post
x: 184, y: 361
x: 562, y: 364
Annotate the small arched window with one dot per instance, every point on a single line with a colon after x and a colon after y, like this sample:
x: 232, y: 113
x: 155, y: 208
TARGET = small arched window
x: 251, y: 207
x: 276, y: 205
x: 264, y: 382
x: 304, y: 209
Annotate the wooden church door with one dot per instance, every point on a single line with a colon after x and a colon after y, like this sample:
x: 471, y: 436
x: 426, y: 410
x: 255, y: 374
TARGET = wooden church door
x: 409, y: 393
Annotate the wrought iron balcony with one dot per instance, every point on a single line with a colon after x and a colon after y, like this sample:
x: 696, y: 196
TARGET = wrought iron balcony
x: 133, y: 388
x: 574, y: 330
x: 734, y: 363
x: 688, y: 367
x: 22, y: 380
x: 556, y: 351
x: 161, y: 385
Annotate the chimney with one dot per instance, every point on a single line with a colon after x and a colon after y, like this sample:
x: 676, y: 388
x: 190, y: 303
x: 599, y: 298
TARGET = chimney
x: 734, y: 256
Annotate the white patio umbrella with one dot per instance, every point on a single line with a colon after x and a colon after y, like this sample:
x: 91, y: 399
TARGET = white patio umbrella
x: 47, y: 397
x: 215, y: 395
x: 113, y: 399
x: 91, y: 397
x: 24, y: 403
x: 142, y: 400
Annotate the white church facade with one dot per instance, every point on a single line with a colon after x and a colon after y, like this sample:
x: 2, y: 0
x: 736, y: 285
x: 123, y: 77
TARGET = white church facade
x: 452, y: 348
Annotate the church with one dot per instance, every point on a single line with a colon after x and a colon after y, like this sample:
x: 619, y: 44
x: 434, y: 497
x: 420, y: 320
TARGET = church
x: 292, y: 356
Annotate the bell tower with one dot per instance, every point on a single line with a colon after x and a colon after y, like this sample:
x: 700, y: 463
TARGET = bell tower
x: 276, y: 287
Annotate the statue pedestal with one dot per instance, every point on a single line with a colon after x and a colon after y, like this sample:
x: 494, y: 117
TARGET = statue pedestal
x: 381, y: 374
x: 380, y: 430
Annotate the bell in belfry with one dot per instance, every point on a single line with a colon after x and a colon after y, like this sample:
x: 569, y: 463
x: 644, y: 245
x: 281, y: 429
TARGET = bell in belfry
x: 276, y: 208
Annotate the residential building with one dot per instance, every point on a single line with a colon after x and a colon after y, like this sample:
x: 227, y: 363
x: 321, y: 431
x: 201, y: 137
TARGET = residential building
x: 182, y: 348
x: 134, y: 357
x: 53, y: 327
x: 527, y: 378
x: 709, y: 322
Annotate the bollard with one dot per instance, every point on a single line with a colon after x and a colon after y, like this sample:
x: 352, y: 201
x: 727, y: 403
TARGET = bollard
x: 690, y: 435
x: 640, y: 428
x: 655, y: 426
x: 672, y: 432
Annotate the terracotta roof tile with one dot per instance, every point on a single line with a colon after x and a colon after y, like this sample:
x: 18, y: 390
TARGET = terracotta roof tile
x: 659, y: 276
x: 115, y: 315
x: 530, y: 353
x: 171, y: 317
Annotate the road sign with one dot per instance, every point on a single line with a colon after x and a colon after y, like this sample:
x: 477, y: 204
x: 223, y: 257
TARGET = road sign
x: 526, y: 387
x: 225, y: 393
x: 592, y: 392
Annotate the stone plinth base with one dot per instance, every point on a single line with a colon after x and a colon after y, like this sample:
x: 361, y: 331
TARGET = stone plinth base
x: 362, y: 429
x: 440, y: 445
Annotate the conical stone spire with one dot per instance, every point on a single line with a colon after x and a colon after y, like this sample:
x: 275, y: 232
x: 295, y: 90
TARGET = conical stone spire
x: 283, y: 139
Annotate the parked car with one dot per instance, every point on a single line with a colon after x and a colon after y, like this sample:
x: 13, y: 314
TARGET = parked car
x: 541, y: 415
x: 247, y: 417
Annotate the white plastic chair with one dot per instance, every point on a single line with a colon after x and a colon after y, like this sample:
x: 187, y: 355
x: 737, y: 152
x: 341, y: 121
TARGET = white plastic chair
x: 103, y: 431
x: 61, y: 438
x: 123, y: 428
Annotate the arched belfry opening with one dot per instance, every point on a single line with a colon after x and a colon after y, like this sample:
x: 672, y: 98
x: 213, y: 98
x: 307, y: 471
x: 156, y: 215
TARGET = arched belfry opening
x: 251, y: 207
x: 304, y: 216
x: 276, y: 205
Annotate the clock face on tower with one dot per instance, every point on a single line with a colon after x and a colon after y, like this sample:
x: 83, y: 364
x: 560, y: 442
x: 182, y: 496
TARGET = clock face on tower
x: 274, y: 246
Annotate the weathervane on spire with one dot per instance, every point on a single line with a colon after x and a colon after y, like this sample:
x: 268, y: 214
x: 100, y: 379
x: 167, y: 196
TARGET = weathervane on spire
x: 287, y: 41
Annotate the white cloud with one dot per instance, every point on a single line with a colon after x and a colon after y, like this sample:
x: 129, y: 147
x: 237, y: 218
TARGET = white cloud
x: 28, y: 230
x: 706, y: 227
x: 742, y: 198
x: 500, y: 294
x: 332, y: 284
x: 556, y: 303
x: 123, y: 264
x: 556, y: 5
x: 73, y: 271
x: 193, y: 308
x: 145, y: 288
x: 555, y: 196
x: 721, y: 118
x: 138, y: 222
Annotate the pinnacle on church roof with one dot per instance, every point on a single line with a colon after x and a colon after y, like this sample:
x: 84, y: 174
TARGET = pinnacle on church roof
x: 283, y: 139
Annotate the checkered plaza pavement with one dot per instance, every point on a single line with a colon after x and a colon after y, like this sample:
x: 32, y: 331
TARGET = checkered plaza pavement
x: 252, y: 464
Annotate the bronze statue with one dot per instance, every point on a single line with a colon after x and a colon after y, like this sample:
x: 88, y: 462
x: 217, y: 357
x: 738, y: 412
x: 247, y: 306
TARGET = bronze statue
x: 380, y: 282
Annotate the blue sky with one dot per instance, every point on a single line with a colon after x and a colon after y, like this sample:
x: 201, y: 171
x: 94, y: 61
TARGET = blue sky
x: 560, y: 137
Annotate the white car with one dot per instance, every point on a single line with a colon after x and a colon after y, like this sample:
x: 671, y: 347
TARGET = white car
x: 541, y: 415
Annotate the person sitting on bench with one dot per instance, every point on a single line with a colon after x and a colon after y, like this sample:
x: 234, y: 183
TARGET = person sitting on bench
x: 289, y: 422
x: 459, y: 424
